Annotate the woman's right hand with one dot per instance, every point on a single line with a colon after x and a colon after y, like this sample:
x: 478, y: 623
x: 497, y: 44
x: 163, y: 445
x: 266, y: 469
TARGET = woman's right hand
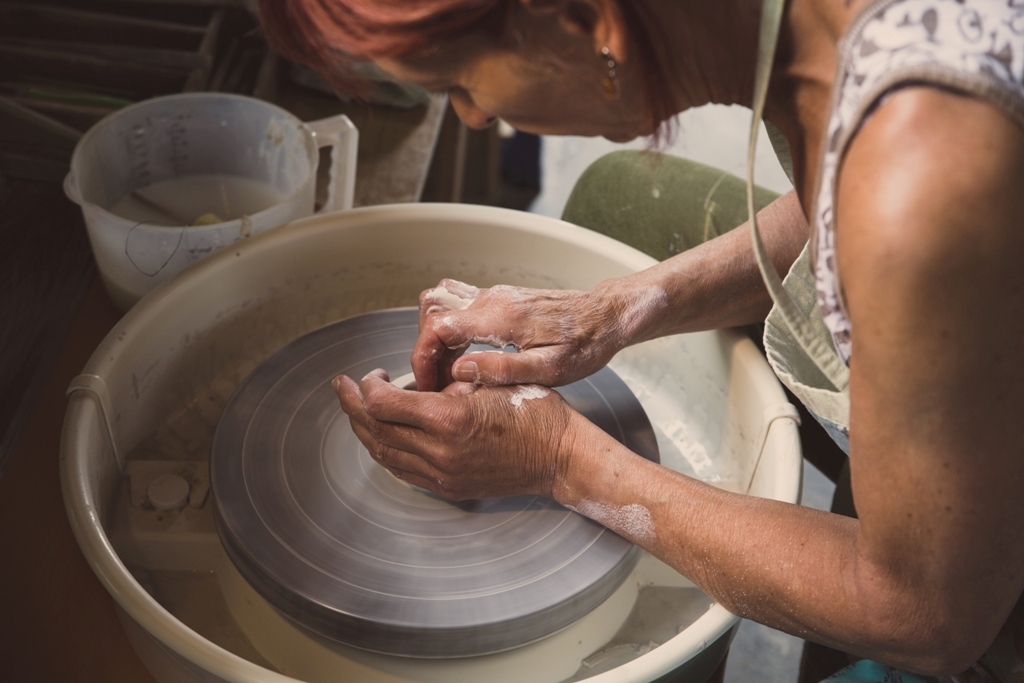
x: 561, y: 335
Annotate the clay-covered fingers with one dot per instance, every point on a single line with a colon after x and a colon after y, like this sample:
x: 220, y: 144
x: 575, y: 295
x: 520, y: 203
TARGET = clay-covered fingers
x: 444, y: 337
x: 392, y: 416
x: 422, y: 410
x: 432, y: 360
x: 403, y: 464
x: 561, y: 335
x: 348, y: 393
x: 449, y: 295
x: 440, y: 343
x: 392, y: 444
x: 540, y: 365
x: 466, y: 441
x: 454, y: 315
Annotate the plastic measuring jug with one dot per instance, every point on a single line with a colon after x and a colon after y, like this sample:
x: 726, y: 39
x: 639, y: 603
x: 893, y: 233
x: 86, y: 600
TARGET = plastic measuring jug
x: 199, y: 137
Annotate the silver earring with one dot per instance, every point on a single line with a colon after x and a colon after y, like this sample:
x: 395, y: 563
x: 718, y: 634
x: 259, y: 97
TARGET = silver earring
x: 611, y: 81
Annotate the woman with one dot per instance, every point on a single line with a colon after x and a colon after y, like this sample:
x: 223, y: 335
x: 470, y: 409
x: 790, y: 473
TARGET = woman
x: 903, y: 119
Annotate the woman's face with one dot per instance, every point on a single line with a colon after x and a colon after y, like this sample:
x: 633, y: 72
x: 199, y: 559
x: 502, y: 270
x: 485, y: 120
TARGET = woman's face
x: 534, y: 84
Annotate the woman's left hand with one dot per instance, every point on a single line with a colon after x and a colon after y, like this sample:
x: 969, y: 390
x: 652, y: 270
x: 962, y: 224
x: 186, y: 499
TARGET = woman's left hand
x: 465, y: 442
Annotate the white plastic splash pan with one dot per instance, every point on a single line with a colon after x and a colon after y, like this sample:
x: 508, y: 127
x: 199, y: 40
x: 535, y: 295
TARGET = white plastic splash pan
x: 164, y: 373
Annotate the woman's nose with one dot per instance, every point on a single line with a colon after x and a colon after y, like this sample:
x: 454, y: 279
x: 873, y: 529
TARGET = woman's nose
x: 472, y: 115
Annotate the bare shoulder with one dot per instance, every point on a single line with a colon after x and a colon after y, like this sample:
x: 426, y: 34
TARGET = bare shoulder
x: 930, y: 224
x: 930, y: 245
x: 932, y: 174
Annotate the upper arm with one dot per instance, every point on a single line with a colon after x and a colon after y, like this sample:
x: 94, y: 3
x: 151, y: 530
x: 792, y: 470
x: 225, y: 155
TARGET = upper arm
x: 930, y: 243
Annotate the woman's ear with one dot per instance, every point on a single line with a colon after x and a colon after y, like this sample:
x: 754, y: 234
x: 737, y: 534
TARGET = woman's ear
x: 600, y: 21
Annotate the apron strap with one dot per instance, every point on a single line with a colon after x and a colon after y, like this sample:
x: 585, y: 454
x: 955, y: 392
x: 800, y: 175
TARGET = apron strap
x: 818, y: 350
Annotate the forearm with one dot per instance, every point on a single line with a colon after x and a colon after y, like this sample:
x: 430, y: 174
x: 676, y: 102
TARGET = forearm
x: 716, y: 284
x: 793, y: 568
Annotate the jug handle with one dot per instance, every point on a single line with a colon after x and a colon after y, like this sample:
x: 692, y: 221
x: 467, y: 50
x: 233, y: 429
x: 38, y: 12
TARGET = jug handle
x: 342, y: 136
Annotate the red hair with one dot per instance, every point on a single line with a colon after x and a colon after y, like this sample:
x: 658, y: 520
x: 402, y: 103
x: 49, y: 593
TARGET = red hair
x: 328, y: 35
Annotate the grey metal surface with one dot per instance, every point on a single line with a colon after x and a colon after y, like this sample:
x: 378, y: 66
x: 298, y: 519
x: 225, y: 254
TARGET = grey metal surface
x: 339, y: 545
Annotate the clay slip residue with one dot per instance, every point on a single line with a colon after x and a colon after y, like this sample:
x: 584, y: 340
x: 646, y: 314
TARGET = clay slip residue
x: 632, y: 521
x: 462, y: 330
x: 527, y: 393
x: 443, y: 299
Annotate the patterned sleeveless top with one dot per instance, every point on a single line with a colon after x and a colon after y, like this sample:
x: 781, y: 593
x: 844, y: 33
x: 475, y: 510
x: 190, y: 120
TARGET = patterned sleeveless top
x: 970, y: 46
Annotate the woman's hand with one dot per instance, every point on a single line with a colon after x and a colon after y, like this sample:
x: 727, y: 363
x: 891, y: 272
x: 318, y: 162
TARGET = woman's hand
x: 467, y: 441
x: 561, y: 335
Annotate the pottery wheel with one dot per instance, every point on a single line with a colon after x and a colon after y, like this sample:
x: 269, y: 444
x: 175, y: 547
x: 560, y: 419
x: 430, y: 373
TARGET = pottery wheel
x: 346, y: 550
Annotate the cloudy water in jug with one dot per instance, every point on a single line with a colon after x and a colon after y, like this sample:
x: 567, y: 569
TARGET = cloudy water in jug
x: 197, y: 199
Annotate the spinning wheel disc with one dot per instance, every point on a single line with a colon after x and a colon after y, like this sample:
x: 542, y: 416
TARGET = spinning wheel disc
x: 345, y: 549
